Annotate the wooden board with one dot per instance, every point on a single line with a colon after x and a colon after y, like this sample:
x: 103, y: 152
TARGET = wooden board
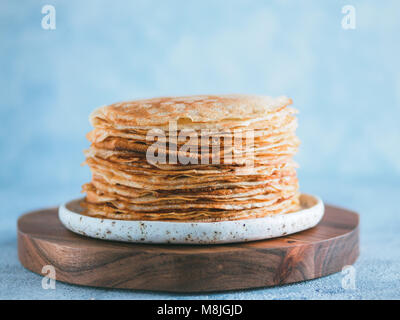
x: 313, y: 253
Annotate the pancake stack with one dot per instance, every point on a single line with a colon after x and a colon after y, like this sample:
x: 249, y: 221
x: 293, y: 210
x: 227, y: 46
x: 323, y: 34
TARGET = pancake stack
x: 196, y: 158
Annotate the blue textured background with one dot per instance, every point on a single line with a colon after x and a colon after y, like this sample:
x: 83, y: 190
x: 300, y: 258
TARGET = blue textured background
x: 346, y: 84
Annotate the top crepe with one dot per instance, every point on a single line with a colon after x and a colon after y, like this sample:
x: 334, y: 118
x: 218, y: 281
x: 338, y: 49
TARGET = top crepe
x: 220, y: 110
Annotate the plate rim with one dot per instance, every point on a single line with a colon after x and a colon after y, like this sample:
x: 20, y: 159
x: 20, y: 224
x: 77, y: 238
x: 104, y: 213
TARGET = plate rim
x: 64, y: 212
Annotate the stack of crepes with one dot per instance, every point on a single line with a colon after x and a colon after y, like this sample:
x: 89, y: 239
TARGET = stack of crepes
x: 251, y: 179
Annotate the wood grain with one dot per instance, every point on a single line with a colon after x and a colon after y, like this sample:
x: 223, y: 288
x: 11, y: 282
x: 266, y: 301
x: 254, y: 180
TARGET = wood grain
x: 317, y: 252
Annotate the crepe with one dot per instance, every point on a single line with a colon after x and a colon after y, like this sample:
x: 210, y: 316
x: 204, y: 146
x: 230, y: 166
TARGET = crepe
x: 196, y: 158
x: 203, y: 111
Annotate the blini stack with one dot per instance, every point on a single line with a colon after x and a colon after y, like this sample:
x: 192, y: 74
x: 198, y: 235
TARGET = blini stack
x: 197, y: 158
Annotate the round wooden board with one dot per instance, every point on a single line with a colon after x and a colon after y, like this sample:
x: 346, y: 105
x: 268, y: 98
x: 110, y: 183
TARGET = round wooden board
x: 317, y: 252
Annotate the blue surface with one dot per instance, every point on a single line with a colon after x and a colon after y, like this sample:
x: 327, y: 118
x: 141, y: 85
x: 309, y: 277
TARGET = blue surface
x: 346, y: 84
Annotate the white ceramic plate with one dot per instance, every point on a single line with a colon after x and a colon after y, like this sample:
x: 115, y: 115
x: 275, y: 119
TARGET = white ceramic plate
x: 193, y: 232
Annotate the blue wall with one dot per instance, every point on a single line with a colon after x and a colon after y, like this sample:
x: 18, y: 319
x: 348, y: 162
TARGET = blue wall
x: 346, y: 83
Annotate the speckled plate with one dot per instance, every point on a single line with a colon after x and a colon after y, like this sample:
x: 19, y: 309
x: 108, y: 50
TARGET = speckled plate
x: 192, y: 232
